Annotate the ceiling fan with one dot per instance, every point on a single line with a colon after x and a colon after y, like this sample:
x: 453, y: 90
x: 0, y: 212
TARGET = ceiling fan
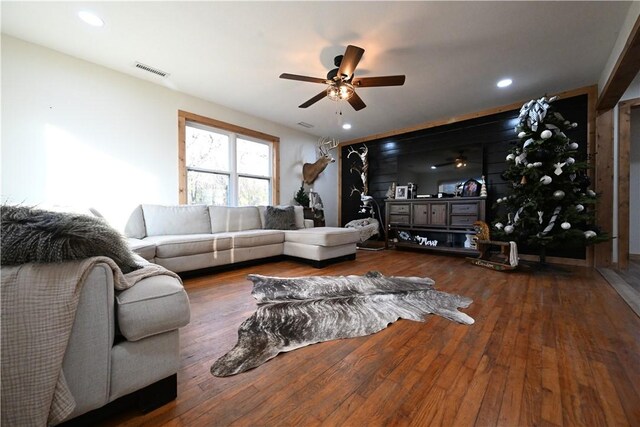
x: 341, y: 82
x: 460, y: 161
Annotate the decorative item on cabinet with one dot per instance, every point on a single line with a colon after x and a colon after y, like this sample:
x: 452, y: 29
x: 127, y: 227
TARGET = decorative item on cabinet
x: 402, y: 192
x: 412, y: 190
x: 471, y: 188
x: 391, y: 192
x: 483, y: 188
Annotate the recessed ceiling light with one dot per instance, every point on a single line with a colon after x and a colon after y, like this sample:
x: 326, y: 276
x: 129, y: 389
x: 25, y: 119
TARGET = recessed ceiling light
x: 434, y: 167
x: 90, y: 18
x: 346, y: 126
x: 504, y: 83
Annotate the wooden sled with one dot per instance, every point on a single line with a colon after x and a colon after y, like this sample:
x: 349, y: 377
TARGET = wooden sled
x: 506, y: 260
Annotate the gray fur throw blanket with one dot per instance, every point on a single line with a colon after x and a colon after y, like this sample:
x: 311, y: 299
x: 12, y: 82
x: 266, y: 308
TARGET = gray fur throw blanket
x: 40, y: 236
x: 299, y: 311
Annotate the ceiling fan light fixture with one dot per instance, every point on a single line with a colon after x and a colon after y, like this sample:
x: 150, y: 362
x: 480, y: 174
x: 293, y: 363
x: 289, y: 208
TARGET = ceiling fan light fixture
x: 340, y: 91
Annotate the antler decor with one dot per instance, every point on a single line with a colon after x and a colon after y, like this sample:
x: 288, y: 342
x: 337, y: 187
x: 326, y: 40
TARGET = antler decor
x: 310, y: 171
x: 363, y: 154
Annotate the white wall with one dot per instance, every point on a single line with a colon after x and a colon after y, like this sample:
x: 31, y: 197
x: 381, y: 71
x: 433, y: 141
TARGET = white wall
x: 623, y: 36
x: 75, y: 133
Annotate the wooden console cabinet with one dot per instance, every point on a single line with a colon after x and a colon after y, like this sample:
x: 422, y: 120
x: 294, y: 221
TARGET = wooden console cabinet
x: 434, y: 224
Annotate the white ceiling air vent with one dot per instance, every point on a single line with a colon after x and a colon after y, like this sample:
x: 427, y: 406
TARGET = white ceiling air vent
x: 151, y: 69
x: 305, y: 125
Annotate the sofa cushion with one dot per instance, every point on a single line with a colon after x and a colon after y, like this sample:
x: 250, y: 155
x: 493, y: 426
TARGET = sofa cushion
x: 254, y: 238
x: 322, y: 236
x: 154, y: 305
x: 145, y: 249
x: 179, y: 219
x: 299, y: 215
x: 135, y: 224
x: 188, y: 244
x: 280, y: 218
x: 225, y: 218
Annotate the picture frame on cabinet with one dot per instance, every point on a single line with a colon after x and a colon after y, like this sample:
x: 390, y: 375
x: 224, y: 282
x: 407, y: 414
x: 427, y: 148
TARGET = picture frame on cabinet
x: 471, y: 188
x: 402, y: 191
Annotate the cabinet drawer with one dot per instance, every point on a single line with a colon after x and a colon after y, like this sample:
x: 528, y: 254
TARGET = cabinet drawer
x: 399, y: 209
x: 398, y: 219
x: 464, y: 208
x: 463, y: 219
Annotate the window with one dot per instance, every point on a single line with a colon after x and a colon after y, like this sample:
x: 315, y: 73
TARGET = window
x: 226, y: 165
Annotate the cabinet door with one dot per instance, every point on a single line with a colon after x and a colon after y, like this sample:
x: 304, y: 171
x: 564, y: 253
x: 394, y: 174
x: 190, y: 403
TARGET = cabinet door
x: 438, y: 214
x: 420, y: 214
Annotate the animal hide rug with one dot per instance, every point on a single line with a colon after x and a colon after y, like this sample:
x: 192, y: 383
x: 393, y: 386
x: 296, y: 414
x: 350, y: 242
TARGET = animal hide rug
x: 299, y: 311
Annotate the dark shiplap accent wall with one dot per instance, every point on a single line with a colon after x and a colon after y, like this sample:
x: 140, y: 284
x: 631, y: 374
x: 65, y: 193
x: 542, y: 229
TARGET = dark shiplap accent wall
x: 494, y: 133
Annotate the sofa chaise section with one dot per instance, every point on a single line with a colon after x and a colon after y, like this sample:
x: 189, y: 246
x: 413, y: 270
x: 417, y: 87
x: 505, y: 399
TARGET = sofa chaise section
x: 320, y: 244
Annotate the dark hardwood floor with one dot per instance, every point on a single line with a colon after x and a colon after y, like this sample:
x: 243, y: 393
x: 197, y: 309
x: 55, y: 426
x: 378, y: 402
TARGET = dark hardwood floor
x: 548, y: 348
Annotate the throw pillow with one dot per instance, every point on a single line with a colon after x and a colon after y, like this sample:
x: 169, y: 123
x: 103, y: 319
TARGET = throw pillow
x: 280, y: 218
x: 35, y: 235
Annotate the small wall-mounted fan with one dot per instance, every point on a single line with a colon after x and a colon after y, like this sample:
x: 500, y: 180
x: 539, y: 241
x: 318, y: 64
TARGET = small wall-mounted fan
x: 341, y: 82
x: 460, y: 161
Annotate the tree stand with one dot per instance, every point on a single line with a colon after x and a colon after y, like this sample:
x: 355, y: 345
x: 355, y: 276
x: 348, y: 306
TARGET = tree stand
x: 506, y: 260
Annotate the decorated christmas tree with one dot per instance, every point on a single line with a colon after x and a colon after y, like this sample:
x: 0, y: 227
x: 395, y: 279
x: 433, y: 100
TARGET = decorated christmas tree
x: 551, y: 204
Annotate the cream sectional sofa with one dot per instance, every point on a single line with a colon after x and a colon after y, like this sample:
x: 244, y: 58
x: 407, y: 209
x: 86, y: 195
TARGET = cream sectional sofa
x: 193, y: 237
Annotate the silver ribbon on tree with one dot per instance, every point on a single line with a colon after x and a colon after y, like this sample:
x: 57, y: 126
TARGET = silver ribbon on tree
x: 532, y: 113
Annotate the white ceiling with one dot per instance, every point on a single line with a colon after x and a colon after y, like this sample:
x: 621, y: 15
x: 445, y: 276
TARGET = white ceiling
x: 231, y: 53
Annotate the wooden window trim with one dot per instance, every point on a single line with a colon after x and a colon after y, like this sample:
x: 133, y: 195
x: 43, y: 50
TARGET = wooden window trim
x: 185, y: 116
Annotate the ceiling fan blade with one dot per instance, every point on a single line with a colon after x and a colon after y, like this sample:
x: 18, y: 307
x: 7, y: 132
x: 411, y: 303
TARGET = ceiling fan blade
x: 356, y: 102
x: 302, y: 78
x: 350, y: 61
x: 379, y: 81
x: 313, y: 100
x: 443, y: 164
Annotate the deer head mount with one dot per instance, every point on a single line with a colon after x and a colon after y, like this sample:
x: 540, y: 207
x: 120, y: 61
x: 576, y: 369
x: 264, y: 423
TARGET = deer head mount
x: 310, y: 171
